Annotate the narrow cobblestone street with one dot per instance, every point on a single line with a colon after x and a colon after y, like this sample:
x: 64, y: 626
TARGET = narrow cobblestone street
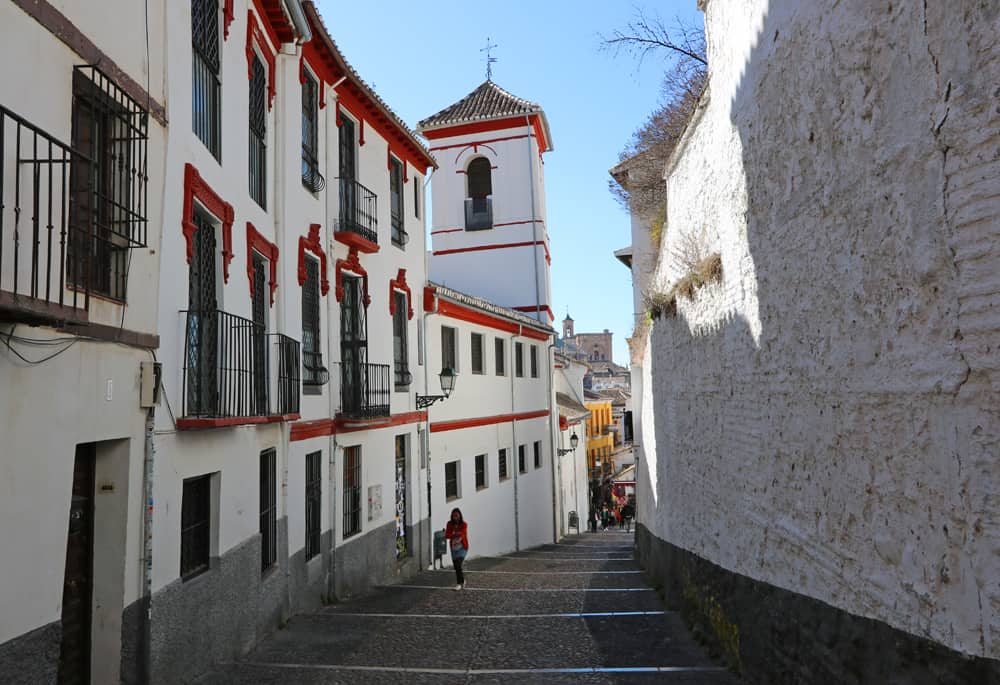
x: 576, y: 612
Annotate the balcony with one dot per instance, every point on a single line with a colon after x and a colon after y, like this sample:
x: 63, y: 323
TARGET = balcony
x: 478, y: 213
x: 358, y: 220
x: 364, y: 390
x: 236, y: 373
x: 40, y: 282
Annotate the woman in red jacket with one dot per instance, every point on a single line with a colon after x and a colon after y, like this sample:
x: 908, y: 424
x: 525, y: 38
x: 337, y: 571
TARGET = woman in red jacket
x: 457, y: 533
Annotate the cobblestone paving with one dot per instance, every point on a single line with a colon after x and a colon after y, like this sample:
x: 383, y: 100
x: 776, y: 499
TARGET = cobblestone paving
x: 576, y: 612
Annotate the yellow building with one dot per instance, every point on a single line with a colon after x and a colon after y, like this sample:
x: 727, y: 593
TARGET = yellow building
x: 600, y: 437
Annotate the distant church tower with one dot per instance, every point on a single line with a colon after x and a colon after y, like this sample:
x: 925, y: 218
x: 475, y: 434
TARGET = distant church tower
x: 567, y: 328
x: 489, y: 235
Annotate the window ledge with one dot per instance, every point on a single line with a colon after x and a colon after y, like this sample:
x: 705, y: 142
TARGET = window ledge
x: 194, y: 423
x: 452, y: 498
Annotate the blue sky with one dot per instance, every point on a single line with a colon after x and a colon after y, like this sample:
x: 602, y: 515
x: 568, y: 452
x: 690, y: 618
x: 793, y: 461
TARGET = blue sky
x: 422, y: 57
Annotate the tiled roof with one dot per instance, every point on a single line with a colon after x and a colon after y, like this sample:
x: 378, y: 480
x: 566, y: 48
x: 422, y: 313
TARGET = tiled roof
x: 490, y: 307
x: 488, y: 101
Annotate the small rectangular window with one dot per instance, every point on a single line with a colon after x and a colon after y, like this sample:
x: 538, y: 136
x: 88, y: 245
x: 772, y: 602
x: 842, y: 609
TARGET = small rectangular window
x: 533, y: 357
x: 519, y: 360
x: 477, y: 353
x: 452, y: 486
x: 416, y: 196
x: 502, y: 465
x: 501, y: 356
x: 352, y: 490
x: 314, y: 494
x: 400, y: 348
x: 396, y: 202
x: 449, y: 355
x: 522, y: 466
x: 420, y: 342
x: 310, y: 136
x: 268, y: 510
x: 312, y: 355
x: 196, y: 525
x: 480, y: 471
x: 538, y: 454
x: 205, y: 86
x: 257, y: 112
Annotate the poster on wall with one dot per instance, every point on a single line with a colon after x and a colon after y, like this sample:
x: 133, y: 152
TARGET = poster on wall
x: 374, y: 502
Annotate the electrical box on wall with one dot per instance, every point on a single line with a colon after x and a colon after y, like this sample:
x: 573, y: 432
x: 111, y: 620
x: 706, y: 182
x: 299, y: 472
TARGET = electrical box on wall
x: 149, y: 384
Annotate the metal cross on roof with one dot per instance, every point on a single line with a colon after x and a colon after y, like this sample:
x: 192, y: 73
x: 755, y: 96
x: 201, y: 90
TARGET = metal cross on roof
x: 490, y: 59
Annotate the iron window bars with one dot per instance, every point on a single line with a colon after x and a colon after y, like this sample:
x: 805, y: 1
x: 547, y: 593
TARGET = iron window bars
x: 352, y: 490
x: 258, y: 133
x: 268, y: 510
x: 314, y: 489
x: 223, y: 368
x: 451, y: 480
x: 399, y: 236
x: 400, y: 346
x: 311, y: 178
x: 502, y: 465
x: 312, y: 354
x: 205, y: 86
x: 196, y: 522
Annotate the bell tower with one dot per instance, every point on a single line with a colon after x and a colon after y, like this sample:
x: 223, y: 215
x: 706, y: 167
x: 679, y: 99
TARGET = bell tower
x: 489, y: 236
x: 567, y: 327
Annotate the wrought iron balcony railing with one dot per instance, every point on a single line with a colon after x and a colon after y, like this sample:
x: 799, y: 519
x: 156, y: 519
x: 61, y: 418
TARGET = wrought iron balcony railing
x: 358, y: 210
x: 234, y: 369
x: 365, y: 390
x: 478, y: 213
x: 38, y: 224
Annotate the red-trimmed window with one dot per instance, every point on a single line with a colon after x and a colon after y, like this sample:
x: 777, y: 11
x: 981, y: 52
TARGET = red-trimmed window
x: 399, y: 236
x: 258, y: 132
x: 311, y: 177
x: 400, y: 346
x: 312, y: 354
x: 205, y: 81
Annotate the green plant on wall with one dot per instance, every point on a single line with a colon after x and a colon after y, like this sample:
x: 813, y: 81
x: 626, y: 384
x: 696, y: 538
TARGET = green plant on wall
x: 707, y: 270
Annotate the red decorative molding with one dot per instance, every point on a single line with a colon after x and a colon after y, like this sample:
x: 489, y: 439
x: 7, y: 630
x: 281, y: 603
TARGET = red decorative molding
x: 502, y: 246
x: 227, y: 18
x: 406, y: 171
x: 256, y: 34
x: 352, y: 265
x: 399, y: 283
x: 356, y: 241
x: 458, y: 424
x: 563, y: 423
x: 339, y: 118
x: 478, y: 143
x: 258, y: 243
x: 312, y: 244
x: 361, y: 130
x: 302, y: 69
x: 196, y: 188
x: 463, y: 312
x: 306, y: 430
x: 536, y: 308
x: 492, y: 125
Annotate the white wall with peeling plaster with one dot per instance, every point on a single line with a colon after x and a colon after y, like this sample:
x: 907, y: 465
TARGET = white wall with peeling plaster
x: 826, y: 417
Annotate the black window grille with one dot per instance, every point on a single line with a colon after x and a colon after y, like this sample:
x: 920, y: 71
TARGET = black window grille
x: 480, y: 471
x: 502, y: 465
x: 311, y: 177
x: 258, y: 336
x: 399, y: 236
x: 451, y: 480
x: 196, y: 525
x: 205, y: 86
x: 538, y: 453
x: 477, y: 353
x: 352, y: 490
x: 268, y: 509
x: 314, y: 493
x: 501, y: 356
x: 109, y: 195
x: 364, y: 388
x: 312, y: 355
x: 449, y: 356
x: 400, y: 348
x: 258, y: 133
x: 533, y: 359
x: 522, y: 466
x: 519, y: 360
x: 402, y: 521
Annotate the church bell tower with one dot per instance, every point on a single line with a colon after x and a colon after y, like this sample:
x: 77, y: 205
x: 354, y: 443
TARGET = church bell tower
x: 489, y: 236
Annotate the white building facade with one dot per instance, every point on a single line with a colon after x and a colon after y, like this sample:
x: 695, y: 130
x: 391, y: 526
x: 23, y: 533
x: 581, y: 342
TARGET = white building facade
x: 82, y: 145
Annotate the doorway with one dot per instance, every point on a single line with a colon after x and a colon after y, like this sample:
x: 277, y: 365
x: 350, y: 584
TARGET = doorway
x: 74, y: 654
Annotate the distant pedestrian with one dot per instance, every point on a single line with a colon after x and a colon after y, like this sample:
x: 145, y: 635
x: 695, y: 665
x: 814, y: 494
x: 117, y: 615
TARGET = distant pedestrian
x: 604, y: 518
x: 628, y: 512
x: 457, y: 533
x: 593, y: 519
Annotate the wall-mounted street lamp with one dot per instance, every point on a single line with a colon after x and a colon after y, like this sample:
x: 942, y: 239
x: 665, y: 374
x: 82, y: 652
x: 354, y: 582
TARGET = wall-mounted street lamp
x: 447, y: 377
x: 573, y: 442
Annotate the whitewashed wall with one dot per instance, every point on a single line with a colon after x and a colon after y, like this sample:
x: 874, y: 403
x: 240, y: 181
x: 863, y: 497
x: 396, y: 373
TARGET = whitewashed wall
x: 825, y: 418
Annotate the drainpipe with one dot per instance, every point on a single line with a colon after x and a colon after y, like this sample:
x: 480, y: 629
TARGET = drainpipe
x: 427, y: 433
x: 298, y: 17
x: 515, y: 453
x: 149, y: 452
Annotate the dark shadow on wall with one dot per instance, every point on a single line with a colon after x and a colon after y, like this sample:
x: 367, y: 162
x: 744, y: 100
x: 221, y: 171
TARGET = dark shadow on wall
x: 817, y: 446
